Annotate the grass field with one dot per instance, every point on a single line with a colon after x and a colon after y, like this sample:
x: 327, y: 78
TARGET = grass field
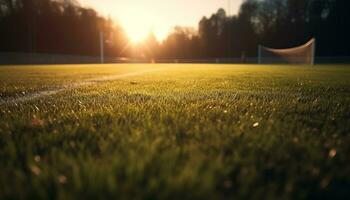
x: 175, y: 132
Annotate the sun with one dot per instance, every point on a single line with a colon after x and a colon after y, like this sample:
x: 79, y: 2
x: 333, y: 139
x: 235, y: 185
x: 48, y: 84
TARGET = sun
x: 137, y: 33
x: 139, y: 22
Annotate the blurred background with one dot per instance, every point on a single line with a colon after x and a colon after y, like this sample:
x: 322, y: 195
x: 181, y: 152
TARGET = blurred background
x: 70, y: 31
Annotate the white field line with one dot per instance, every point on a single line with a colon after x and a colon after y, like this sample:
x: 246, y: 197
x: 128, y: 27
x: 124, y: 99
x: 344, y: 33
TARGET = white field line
x: 87, y: 82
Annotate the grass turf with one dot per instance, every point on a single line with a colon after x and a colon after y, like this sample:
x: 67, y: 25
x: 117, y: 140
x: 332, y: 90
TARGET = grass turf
x: 184, y: 132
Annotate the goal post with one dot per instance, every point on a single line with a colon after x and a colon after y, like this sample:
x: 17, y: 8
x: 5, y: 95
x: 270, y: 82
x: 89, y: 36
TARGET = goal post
x: 304, y: 54
x: 259, y: 54
x: 313, y: 53
x: 102, y: 56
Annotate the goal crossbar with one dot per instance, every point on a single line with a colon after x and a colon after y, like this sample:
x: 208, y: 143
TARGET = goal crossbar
x: 304, y: 54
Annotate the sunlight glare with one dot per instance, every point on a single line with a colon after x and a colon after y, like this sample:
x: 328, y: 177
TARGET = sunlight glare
x: 141, y: 23
x: 136, y: 34
x: 140, y: 17
x: 138, y: 26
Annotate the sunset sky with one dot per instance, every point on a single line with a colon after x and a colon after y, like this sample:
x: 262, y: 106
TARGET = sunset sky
x: 140, y: 17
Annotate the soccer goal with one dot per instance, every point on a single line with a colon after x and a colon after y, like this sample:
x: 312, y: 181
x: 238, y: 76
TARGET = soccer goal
x: 304, y: 54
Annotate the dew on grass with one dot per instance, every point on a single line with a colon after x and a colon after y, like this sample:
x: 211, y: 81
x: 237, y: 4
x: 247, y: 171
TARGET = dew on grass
x: 296, y: 140
x: 35, y: 169
x: 37, y: 158
x: 332, y: 153
x: 62, y: 179
x: 325, y: 182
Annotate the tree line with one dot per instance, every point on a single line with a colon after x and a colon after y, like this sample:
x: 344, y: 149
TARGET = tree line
x: 63, y: 26
x: 272, y: 23
x: 55, y: 26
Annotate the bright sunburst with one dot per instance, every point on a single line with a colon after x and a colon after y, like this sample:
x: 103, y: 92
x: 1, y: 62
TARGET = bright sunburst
x: 137, y: 25
x: 139, y: 17
x: 136, y: 33
x: 140, y: 22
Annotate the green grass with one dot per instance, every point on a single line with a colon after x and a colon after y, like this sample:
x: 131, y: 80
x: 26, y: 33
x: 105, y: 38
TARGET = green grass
x: 184, y: 132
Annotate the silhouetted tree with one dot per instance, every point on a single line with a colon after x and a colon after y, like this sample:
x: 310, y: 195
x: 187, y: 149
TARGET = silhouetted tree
x: 63, y: 26
x: 55, y: 26
x: 181, y: 43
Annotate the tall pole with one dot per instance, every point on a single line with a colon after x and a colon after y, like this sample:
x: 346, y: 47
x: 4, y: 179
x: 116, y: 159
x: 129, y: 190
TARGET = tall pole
x: 313, y: 52
x: 259, y: 54
x: 102, y: 47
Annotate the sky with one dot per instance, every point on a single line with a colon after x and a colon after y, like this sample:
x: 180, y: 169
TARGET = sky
x: 140, y: 17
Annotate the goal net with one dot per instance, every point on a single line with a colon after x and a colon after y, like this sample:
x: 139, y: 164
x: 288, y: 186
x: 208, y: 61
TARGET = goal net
x: 304, y: 54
